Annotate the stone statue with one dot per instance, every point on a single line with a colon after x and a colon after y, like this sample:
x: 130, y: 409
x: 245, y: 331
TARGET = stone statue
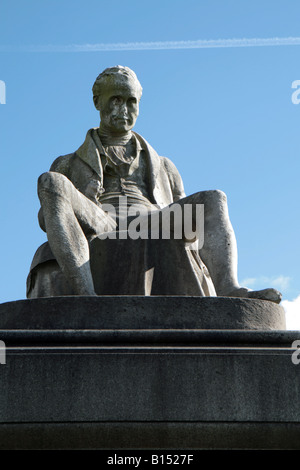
x: 115, y: 162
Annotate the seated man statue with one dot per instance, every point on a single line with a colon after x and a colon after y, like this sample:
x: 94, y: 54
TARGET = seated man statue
x: 112, y: 163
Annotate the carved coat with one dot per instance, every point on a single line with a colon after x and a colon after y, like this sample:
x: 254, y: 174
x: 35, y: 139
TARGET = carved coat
x: 165, y: 187
x: 165, y: 182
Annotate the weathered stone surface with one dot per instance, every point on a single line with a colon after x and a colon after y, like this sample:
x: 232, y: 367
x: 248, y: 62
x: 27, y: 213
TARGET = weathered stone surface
x: 139, y: 384
x: 140, y: 313
x: 147, y: 372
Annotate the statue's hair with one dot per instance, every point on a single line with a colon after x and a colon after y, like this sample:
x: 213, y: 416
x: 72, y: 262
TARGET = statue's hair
x: 115, y: 72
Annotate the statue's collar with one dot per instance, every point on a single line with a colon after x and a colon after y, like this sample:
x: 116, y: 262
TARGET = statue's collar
x: 92, y: 149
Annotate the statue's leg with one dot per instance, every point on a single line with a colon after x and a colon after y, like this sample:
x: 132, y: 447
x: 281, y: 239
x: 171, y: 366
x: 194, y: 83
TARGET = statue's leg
x: 70, y: 218
x: 219, y: 251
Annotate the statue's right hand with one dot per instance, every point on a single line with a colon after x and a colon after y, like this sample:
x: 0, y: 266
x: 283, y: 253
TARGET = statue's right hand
x: 93, y: 190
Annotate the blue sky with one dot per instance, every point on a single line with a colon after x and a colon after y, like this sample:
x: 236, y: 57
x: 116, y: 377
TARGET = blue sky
x: 223, y: 115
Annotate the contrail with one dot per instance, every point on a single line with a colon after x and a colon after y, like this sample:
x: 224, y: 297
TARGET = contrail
x: 158, y: 45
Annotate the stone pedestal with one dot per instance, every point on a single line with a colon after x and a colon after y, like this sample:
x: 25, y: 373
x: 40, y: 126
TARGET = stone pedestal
x: 148, y: 373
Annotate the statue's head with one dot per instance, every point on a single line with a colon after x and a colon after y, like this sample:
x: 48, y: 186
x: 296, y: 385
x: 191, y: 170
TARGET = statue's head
x: 116, y: 94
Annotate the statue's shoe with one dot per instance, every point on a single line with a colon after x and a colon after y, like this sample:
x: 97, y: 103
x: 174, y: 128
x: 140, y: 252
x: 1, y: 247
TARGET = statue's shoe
x: 270, y: 294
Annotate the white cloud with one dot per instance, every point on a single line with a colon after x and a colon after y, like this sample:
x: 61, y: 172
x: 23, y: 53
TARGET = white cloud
x: 159, y: 45
x: 249, y: 282
x: 280, y: 282
x: 292, y: 311
x: 262, y: 282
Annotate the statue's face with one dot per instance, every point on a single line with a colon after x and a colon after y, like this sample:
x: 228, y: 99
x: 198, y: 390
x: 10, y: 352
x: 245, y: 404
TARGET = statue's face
x: 119, y: 106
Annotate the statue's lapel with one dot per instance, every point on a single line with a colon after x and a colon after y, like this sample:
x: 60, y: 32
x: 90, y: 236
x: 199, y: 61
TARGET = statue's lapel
x: 89, y: 152
x: 154, y: 166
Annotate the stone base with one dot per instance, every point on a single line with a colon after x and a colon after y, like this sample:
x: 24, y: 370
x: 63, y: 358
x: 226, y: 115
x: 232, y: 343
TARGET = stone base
x: 146, y: 373
x: 99, y: 314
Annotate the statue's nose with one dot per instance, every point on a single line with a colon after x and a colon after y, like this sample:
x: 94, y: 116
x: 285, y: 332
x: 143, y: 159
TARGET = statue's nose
x: 124, y: 110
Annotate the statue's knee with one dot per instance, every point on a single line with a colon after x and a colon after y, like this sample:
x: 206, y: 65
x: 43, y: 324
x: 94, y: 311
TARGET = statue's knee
x: 47, y: 180
x: 215, y: 203
x: 53, y: 182
x: 216, y: 196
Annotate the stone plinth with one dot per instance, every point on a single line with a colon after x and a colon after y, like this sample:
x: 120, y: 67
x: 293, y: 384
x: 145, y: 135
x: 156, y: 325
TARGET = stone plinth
x: 138, y: 373
x: 138, y: 312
